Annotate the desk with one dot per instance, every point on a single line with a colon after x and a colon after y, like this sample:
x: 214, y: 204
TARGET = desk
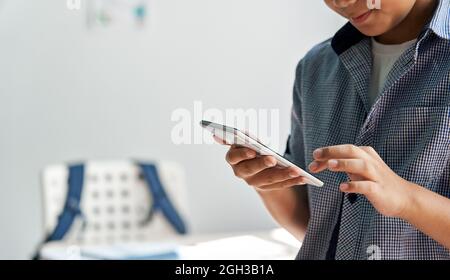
x: 259, y: 245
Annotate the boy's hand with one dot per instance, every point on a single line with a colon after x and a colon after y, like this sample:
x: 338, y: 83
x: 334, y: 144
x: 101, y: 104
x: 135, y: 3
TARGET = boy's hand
x: 369, y: 174
x: 261, y: 172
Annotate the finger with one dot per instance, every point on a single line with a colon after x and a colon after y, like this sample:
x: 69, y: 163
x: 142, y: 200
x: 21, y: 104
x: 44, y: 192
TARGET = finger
x: 371, y: 151
x: 283, y: 185
x: 361, y: 187
x: 355, y: 166
x: 238, y: 154
x: 250, y: 167
x: 220, y: 140
x: 317, y: 166
x: 273, y: 175
x: 339, y: 151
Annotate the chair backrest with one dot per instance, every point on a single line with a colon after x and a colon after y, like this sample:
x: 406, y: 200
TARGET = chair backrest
x: 115, y: 202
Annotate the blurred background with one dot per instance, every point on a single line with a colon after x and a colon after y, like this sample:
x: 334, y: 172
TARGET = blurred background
x: 76, y: 84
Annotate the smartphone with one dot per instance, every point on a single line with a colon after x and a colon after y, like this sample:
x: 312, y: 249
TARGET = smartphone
x: 231, y: 135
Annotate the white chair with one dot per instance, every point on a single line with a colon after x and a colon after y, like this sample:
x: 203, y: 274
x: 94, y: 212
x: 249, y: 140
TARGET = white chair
x: 115, y: 202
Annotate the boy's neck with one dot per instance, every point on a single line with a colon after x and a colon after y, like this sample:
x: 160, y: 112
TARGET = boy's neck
x: 410, y: 28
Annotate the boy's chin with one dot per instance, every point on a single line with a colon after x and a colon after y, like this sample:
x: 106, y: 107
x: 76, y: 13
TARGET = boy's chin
x: 372, y: 31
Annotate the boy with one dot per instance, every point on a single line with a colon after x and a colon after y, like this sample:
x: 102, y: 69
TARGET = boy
x: 371, y: 116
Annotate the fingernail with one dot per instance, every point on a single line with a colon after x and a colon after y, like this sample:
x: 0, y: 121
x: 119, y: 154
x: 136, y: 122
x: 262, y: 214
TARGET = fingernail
x: 344, y: 187
x: 333, y: 163
x: 317, y: 153
x: 313, y: 165
x: 293, y: 174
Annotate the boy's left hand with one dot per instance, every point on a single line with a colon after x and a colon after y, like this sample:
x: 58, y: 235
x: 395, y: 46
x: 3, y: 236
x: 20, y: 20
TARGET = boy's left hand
x: 369, y: 175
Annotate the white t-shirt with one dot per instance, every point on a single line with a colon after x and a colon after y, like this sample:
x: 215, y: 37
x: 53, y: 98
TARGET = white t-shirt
x: 384, y: 58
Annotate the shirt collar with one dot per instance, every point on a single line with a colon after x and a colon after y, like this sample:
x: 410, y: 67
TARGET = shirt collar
x: 349, y: 36
x: 440, y: 23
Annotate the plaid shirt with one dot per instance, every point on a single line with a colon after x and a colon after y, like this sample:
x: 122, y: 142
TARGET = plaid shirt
x: 409, y: 126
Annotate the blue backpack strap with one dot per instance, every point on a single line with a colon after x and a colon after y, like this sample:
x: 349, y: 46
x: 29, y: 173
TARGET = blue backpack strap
x: 160, y: 199
x: 72, y: 205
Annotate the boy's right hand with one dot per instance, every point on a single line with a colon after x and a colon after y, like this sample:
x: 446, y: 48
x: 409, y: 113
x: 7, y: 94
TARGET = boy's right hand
x: 261, y: 172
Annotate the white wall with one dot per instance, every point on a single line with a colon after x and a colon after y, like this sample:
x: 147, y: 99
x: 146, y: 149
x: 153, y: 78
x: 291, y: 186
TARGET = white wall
x: 71, y: 93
